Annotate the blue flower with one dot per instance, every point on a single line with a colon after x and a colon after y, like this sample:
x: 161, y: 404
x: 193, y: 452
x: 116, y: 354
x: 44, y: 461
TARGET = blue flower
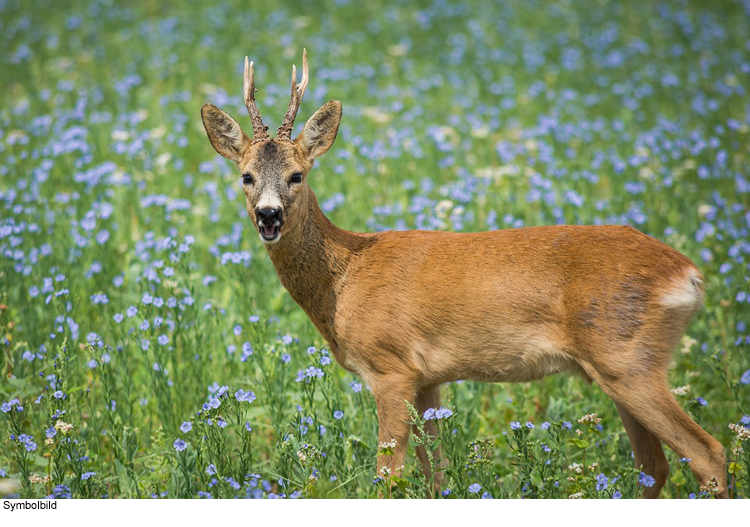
x: 286, y: 358
x: 429, y: 414
x: 186, y: 427
x: 242, y: 395
x: 211, y: 469
x: 87, y: 475
x: 646, y: 480
x: 446, y: 492
x: 356, y: 386
x: 443, y: 413
x: 544, y: 425
x: 50, y: 432
x: 515, y: 425
x: 617, y: 495
x: 59, y: 395
x: 180, y: 445
x: 567, y: 425
x: 132, y: 311
x: 701, y: 401
x: 745, y: 379
x: 338, y: 414
x: 487, y: 496
x: 474, y: 488
x: 529, y: 425
x: 602, y: 482
x: 248, y: 427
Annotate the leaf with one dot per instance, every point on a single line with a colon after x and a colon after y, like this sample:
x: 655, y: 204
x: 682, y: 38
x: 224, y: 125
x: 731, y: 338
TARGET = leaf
x: 734, y: 468
x: 580, y: 443
x: 678, y: 479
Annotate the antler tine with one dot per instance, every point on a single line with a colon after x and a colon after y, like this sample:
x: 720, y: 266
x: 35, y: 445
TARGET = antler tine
x: 298, y: 90
x: 259, y: 129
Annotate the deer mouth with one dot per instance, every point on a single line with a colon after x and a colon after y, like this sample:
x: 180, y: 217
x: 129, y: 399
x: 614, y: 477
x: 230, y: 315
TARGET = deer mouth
x: 269, y: 233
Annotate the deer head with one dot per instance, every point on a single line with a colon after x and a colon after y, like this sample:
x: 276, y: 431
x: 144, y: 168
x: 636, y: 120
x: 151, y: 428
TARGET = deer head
x: 274, y: 170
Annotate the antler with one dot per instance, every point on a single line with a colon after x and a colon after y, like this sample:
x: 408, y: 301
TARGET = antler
x: 285, y: 130
x: 260, y: 132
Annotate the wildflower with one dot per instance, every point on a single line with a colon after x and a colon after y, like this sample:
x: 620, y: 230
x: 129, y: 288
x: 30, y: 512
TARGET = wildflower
x: 63, y: 427
x: 248, y: 427
x: 429, y: 414
x: 311, y: 350
x: 741, y: 432
x: 59, y: 395
x: 186, y: 427
x: 645, y: 480
x: 745, y: 379
x: 211, y: 469
x: 325, y: 360
x: 591, y: 419
x: 242, y: 395
x: 50, y: 432
x: 163, y: 340
x: 515, y: 425
x: 544, y: 425
x: 286, y: 358
x: 356, y: 386
x: 474, y: 488
x: 205, y: 495
x: 576, y: 496
x: 87, y: 475
x: 132, y: 311
x: 118, y: 317
x: 577, y: 467
x: 602, y: 482
x: 617, y: 495
x: 487, y: 496
x: 711, y: 486
x: 443, y: 413
x: 529, y: 425
x: 682, y: 390
x: 238, y: 330
x: 701, y: 401
x: 180, y: 445
x: 338, y: 414
x: 567, y: 425
x: 446, y: 492
x: 253, y: 318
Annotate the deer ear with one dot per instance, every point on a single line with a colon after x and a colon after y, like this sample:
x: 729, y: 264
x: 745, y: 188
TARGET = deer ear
x: 320, y: 130
x: 225, y: 134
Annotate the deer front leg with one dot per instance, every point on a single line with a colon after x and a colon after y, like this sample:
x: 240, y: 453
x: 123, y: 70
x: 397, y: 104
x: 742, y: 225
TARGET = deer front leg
x: 391, y: 394
x: 429, y: 398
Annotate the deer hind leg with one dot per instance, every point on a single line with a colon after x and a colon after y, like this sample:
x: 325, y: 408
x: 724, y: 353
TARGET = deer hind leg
x: 648, y: 452
x: 429, y: 398
x: 647, y: 399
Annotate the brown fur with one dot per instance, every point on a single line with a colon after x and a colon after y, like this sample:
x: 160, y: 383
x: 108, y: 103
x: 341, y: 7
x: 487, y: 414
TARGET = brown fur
x: 411, y: 310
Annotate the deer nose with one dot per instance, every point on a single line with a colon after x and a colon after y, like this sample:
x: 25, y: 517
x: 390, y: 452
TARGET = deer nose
x: 269, y: 216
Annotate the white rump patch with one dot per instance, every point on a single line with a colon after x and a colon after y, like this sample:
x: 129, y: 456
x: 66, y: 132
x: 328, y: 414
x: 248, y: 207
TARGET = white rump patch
x: 685, y: 293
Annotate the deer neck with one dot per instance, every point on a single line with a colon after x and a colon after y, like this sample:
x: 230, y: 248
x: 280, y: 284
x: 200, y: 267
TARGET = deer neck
x: 312, y: 262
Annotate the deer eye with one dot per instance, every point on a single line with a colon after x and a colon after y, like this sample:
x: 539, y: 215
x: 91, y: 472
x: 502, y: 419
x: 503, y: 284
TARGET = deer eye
x: 296, y: 178
x: 247, y: 179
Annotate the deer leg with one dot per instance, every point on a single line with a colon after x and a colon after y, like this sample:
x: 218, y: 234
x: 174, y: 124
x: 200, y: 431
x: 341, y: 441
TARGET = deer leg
x: 391, y: 395
x: 648, y: 452
x: 649, y: 402
x: 429, y: 398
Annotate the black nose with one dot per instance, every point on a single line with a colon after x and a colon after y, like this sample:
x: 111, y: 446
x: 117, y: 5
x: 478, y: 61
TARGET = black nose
x: 269, y: 216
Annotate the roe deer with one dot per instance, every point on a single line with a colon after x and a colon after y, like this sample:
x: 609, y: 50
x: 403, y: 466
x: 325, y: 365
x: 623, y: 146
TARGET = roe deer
x: 408, y: 311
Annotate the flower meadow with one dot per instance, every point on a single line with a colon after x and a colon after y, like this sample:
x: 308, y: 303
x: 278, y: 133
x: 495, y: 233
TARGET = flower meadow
x: 148, y: 349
